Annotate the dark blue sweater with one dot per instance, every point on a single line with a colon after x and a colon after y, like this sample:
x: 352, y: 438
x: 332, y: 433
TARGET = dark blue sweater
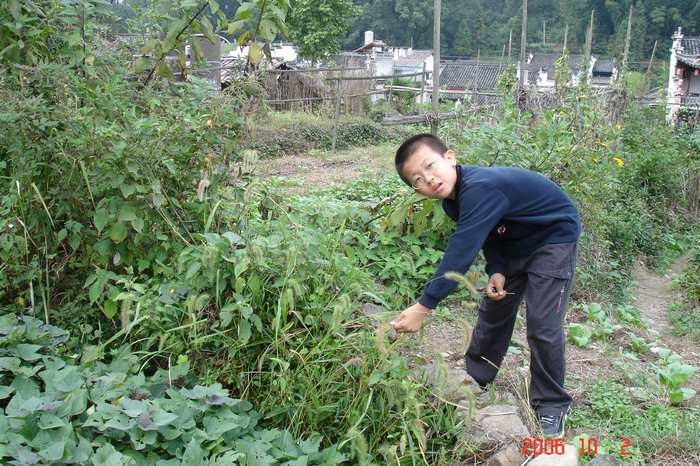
x: 510, y: 212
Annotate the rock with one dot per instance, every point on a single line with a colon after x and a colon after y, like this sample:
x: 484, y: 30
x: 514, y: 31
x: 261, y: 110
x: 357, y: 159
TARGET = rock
x: 506, y: 456
x: 500, y: 423
x: 568, y: 458
x: 450, y: 383
x: 605, y: 460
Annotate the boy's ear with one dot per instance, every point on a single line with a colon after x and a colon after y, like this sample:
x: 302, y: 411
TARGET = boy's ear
x: 451, y: 157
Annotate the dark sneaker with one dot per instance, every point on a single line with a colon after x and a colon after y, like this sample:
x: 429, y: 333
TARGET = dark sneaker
x: 552, y: 425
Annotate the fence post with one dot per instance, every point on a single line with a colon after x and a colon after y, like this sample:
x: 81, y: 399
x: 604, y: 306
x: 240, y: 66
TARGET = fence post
x: 422, y: 85
x: 337, y: 112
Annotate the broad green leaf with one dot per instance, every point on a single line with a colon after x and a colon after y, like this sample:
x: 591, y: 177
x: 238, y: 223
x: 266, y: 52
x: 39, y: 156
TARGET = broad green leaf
x: 118, y: 232
x: 95, y: 291
x: 235, y: 26
x: 90, y: 353
x: 101, y: 218
x: 267, y: 30
x: 165, y: 72
x: 54, y: 451
x: 141, y: 65
x: 163, y: 418
x: 127, y: 213
x: 6, y: 391
x: 104, y: 247
x: 193, y: 455
x: 28, y: 352
x: 109, y: 309
x: 208, y: 30
x: 50, y: 421
x: 244, y: 10
x: 244, y: 331
x: 127, y: 189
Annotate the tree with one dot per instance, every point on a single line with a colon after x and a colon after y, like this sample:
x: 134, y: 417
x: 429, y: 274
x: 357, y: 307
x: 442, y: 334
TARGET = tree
x: 317, y: 26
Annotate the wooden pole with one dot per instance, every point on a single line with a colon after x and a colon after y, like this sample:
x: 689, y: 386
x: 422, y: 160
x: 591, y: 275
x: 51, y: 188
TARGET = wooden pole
x: 422, y: 85
x: 651, y: 60
x: 510, y: 43
x: 653, y: 51
x: 336, y: 122
x: 589, y: 44
x: 566, y: 33
x: 625, y: 55
x: 436, y: 67
x: 523, y: 44
x: 476, y: 76
x: 503, y: 53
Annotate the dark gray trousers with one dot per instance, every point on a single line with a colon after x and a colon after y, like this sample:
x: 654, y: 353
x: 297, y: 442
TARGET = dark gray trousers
x: 544, y: 279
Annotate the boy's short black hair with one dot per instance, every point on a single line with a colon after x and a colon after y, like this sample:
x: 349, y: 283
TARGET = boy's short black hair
x: 411, y: 145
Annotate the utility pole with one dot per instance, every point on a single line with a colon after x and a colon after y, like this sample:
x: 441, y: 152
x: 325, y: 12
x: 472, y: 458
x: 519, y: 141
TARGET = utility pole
x: 653, y: 51
x: 625, y: 55
x: 476, y: 77
x: 500, y: 62
x: 523, y: 44
x: 566, y: 33
x: 544, y: 33
x: 436, y: 68
x: 589, y: 44
x: 510, y: 43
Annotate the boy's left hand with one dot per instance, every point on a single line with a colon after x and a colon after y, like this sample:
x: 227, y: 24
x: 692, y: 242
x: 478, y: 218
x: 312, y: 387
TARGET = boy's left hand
x: 410, y: 319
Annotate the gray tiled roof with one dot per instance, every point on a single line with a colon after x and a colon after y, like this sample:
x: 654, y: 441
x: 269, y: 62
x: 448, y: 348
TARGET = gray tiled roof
x: 602, y: 66
x: 691, y: 45
x: 461, y: 75
x: 690, y: 60
x: 546, y: 61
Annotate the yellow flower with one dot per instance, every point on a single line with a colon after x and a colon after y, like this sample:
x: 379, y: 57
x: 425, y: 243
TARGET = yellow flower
x: 209, y: 123
x: 619, y: 126
x: 619, y: 162
x: 595, y: 159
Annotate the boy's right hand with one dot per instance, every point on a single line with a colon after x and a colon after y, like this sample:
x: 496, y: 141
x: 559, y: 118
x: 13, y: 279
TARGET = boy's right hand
x: 494, y: 288
x: 410, y: 319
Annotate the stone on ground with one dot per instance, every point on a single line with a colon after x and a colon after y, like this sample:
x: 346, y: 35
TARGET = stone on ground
x: 499, y: 423
x: 605, y: 460
x: 568, y: 458
x: 450, y: 383
x: 506, y: 456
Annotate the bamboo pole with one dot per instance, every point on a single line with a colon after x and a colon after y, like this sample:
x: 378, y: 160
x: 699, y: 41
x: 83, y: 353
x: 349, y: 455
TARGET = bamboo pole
x: 510, y: 43
x: 336, y: 122
x: 436, y: 67
x: 422, y: 85
x: 625, y: 55
x: 589, y: 44
x: 523, y: 44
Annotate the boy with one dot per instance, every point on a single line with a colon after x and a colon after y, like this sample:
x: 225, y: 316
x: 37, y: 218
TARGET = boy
x: 528, y: 229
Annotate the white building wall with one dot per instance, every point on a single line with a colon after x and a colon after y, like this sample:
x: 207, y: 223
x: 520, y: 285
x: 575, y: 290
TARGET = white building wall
x: 674, y: 82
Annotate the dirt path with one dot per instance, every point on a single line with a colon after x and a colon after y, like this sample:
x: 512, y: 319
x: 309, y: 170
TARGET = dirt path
x: 654, y: 298
x: 654, y: 295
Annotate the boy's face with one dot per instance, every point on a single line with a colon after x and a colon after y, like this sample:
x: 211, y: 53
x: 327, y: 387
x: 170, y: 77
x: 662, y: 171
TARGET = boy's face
x: 430, y: 173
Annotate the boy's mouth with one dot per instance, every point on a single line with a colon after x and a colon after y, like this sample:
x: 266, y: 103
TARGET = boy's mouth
x: 437, y: 188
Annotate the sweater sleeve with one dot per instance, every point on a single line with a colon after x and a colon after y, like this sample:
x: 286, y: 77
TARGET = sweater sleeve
x: 494, y: 259
x: 481, y: 207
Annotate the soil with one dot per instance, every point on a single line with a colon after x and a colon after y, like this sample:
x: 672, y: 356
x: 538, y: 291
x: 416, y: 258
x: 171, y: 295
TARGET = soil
x: 323, y: 169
